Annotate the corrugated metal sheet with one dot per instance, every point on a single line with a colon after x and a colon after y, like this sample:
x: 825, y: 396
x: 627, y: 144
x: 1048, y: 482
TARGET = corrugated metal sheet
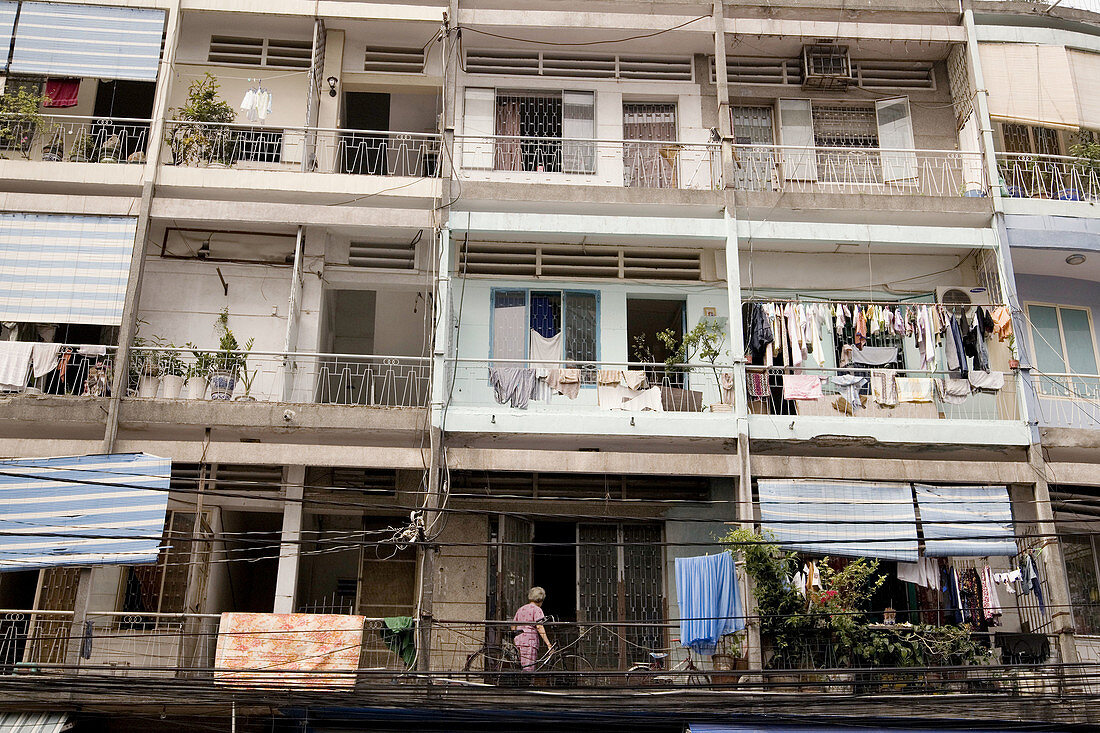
x: 64, y: 269
x: 84, y: 510
x: 32, y: 722
x: 87, y: 40
x: 850, y: 519
x: 966, y: 521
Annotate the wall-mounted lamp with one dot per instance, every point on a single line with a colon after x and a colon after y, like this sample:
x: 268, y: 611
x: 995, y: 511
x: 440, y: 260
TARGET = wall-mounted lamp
x: 332, y: 80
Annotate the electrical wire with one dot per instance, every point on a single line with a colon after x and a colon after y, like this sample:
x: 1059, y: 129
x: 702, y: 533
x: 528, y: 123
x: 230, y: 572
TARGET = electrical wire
x: 536, y: 42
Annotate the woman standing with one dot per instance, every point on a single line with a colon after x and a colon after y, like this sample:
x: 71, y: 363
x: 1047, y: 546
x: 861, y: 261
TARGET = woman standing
x: 529, y: 628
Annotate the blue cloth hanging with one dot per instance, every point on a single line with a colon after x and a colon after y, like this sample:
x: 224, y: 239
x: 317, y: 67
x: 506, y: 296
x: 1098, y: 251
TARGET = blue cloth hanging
x: 710, y: 608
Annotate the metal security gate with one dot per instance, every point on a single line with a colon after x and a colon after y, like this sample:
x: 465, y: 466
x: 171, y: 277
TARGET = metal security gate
x: 651, y: 157
x: 619, y: 583
x: 513, y: 579
x: 752, y: 126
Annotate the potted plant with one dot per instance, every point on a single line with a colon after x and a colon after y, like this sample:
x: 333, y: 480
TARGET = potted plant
x: 174, y: 373
x: 108, y: 152
x: 84, y: 148
x: 198, y: 372
x: 1085, y: 172
x: 1013, y: 355
x: 230, y: 361
x: 704, y: 342
x: 19, y: 119
x: 54, y: 149
x: 197, y: 135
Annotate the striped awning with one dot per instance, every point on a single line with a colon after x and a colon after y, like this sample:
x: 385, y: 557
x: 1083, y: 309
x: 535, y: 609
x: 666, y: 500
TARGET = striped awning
x: 845, y: 518
x: 96, y: 41
x: 7, y: 26
x: 64, y: 269
x: 83, y: 510
x: 33, y: 722
x: 966, y: 521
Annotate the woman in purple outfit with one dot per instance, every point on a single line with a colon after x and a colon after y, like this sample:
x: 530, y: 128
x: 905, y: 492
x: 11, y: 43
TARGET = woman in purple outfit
x: 528, y: 629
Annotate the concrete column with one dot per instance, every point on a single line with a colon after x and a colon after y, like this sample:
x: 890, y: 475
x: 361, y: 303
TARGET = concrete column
x: 286, y: 582
x: 328, y: 108
x: 725, y: 124
x: 128, y: 328
x: 77, y: 633
x: 981, y: 105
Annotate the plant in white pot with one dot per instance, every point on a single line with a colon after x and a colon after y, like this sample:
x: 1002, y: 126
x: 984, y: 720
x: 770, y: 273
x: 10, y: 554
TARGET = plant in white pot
x: 175, y: 373
x: 148, y: 367
x: 198, y: 372
x: 230, y: 361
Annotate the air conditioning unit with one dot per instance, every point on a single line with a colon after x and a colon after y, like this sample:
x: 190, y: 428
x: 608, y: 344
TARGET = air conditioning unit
x: 826, y: 66
x: 953, y: 296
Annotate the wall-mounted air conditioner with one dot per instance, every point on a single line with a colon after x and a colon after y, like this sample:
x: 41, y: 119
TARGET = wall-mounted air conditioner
x: 955, y: 295
x: 826, y: 66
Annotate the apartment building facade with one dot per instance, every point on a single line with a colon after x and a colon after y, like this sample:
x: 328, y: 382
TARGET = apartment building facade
x: 430, y: 303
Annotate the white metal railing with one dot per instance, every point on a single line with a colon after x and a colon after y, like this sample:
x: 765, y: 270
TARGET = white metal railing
x: 302, y: 377
x: 29, y: 638
x: 1049, y: 177
x: 311, y: 149
x: 848, y: 392
x: 789, y: 168
x: 1067, y: 400
x: 585, y: 386
x: 149, y: 644
x: 75, y: 370
x: 630, y: 163
x: 75, y: 139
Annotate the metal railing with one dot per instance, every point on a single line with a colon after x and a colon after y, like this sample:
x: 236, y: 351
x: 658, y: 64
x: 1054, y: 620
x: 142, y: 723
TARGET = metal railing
x: 75, y: 139
x: 571, y: 386
x: 32, y: 638
x: 77, y: 370
x: 629, y: 163
x: 1067, y: 400
x: 1049, y: 177
x: 848, y: 392
x: 270, y: 376
x: 789, y: 168
x: 310, y: 149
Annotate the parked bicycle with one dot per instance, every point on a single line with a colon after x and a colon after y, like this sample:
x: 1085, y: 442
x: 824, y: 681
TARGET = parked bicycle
x: 653, y: 672
x: 499, y: 664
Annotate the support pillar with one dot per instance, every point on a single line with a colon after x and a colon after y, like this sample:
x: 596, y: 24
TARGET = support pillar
x: 286, y: 582
x: 78, y: 635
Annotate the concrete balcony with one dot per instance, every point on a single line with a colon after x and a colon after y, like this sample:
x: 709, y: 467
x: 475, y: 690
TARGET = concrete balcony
x: 1067, y: 400
x: 1057, y: 185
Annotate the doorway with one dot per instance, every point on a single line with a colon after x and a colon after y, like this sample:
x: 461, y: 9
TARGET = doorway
x: 252, y: 544
x: 650, y: 155
x: 645, y: 318
x: 363, y: 153
x: 131, y: 100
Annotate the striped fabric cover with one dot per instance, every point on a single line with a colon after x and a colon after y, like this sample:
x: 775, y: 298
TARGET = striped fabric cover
x: 55, y: 39
x: 7, y: 25
x: 33, y: 722
x: 845, y: 518
x: 966, y: 521
x: 84, y: 510
x: 64, y: 269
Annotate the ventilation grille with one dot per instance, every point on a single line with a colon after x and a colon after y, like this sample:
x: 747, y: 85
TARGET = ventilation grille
x: 577, y: 261
x: 394, y: 60
x: 588, y: 66
x: 384, y: 256
x: 350, y: 486
x: 868, y: 74
x: 229, y: 477
x: 579, y: 486
x: 276, y: 54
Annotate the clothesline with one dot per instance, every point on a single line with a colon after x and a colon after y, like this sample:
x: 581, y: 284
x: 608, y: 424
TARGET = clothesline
x: 240, y: 78
x: 849, y: 301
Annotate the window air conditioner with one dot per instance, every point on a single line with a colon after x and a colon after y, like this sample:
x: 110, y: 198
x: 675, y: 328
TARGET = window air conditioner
x: 826, y: 66
x: 952, y: 296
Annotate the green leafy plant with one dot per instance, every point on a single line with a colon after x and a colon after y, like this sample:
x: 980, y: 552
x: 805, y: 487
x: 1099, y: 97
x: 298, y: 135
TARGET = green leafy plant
x: 19, y: 119
x: 54, y: 149
x: 202, y: 364
x: 706, y: 342
x: 231, y: 357
x: 172, y: 364
x: 197, y: 136
x: 84, y: 147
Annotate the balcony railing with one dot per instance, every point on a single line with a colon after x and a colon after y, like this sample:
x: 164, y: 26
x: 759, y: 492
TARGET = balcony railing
x: 323, y: 150
x: 1068, y: 400
x: 848, y: 393
x: 1049, y: 177
x: 77, y: 370
x: 268, y: 376
x: 56, y: 138
x: 589, y: 386
x: 629, y: 163
x: 795, y: 169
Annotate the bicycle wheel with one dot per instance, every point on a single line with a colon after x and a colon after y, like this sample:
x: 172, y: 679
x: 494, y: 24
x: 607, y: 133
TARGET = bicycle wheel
x: 639, y: 675
x: 570, y: 670
x: 495, y: 665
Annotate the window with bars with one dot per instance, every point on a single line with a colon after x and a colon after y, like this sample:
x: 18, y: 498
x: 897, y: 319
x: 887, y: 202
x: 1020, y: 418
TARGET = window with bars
x: 650, y: 153
x: 518, y: 314
x: 162, y: 588
x: 1019, y: 138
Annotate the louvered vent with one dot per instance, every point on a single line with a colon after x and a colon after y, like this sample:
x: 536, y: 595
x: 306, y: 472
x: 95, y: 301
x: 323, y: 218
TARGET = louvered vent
x: 895, y: 75
x: 394, y: 60
x: 387, y: 256
x: 350, y: 486
x: 578, y: 486
x: 577, y: 261
x: 226, y: 477
x: 578, y: 65
x: 284, y: 54
x: 751, y: 70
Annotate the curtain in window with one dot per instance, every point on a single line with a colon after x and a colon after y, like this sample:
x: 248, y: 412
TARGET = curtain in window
x: 509, y: 325
x: 509, y: 155
x: 1029, y: 83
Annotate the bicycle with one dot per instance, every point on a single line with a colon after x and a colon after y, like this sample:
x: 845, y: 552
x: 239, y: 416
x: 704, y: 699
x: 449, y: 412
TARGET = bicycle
x: 499, y: 665
x: 683, y: 672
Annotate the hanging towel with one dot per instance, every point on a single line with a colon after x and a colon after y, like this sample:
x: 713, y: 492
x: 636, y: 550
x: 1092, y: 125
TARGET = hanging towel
x: 726, y: 383
x: 399, y: 634
x: 801, y: 387
x: 650, y: 399
x: 44, y: 359
x: 986, y: 381
x: 15, y: 363
x: 953, y: 391
x: 925, y: 572
x: 1002, y: 322
x: 875, y: 355
x: 512, y: 386
x: 913, y: 389
x: 883, y: 387
x: 710, y: 607
x: 634, y: 378
x: 566, y: 381
x: 545, y: 352
x: 92, y: 350
x: 61, y: 92
x: 758, y: 384
x: 849, y: 386
x: 990, y: 602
